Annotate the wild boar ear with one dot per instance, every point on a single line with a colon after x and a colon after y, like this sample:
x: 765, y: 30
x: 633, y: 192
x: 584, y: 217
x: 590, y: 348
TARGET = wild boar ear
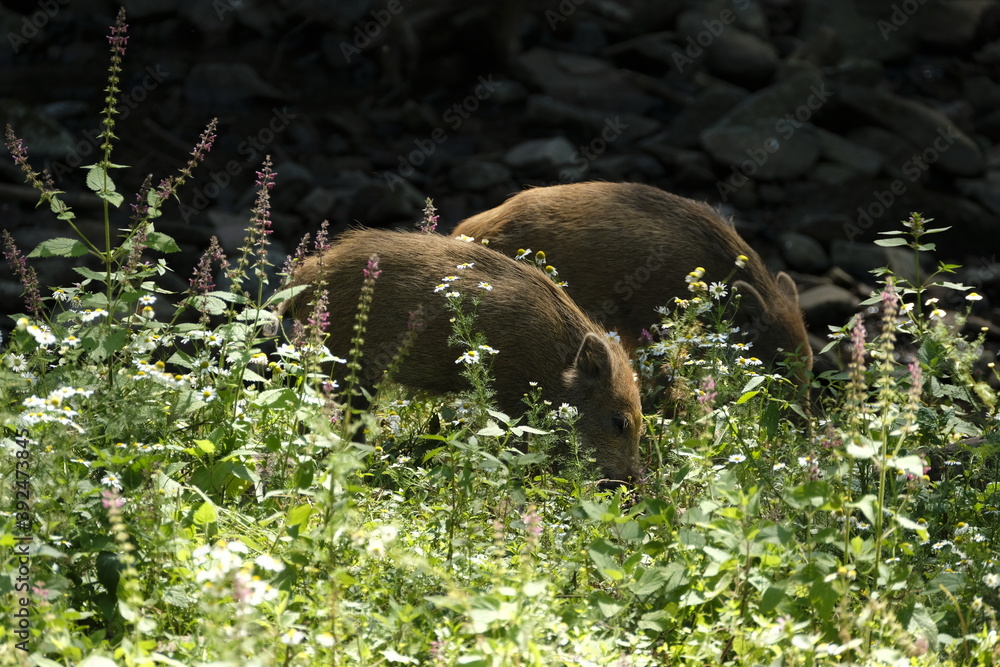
x: 751, y: 302
x: 787, y: 286
x: 593, y: 359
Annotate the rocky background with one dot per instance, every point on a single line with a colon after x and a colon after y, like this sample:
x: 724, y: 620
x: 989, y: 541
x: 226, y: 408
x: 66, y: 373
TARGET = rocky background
x: 813, y: 123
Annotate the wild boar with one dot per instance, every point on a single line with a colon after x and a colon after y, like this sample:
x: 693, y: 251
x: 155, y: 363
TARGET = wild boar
x: 540, y: 333
x: 626, y: 248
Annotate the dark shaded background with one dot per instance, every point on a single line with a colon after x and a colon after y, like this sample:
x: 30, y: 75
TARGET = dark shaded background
x: 369, y: 107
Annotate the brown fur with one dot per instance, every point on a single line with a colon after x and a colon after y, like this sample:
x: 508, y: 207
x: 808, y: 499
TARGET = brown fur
x: 540, y: 333
x: 626, y: 248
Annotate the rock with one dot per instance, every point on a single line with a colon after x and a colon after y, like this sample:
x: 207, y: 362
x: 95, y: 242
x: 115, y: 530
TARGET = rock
x: 953, y: 24
x: 856, y: 70
x: 823, y: 49
x: 141, y: 9
x: 541, y: 156
x: 828, y: 305
x: 756, y: 151
x: 982, y: 92
x: 478, y: 175
x: 293, y: 182
x: 931, y: 131
x: 229, y: 228
x: 316, y: 206
x: 588, y: 38
x: 42, y: 136
x: 226, y: 85
x: 856, y: 258
x: 803, y: 253
x: 707, y: 108
x: 829, y: 173
x: 376, y: 204
x: 733, y: 54
x: 751, y: 17
x: 580, y: 80
x: 862, y: 28
x: 630, y: 167
x: 687, y: 167
x: 987, y: 193
x: 652, y: 50
x: 894, y: 149
x: 989, y: 125
x: 860, y: 160
x: 546, y: 110
x: 794, y: 99
x: 989, y: 54
x: 658, y: 15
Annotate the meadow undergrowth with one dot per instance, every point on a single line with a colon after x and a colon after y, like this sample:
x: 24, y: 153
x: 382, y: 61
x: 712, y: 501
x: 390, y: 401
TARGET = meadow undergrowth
x: 182, y: 485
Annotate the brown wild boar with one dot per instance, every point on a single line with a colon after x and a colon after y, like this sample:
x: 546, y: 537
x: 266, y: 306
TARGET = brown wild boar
x: 540, y: 334
x: 626, y: 248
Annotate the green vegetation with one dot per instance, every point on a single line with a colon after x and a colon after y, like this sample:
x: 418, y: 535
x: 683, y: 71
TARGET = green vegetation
x: 180, y: 487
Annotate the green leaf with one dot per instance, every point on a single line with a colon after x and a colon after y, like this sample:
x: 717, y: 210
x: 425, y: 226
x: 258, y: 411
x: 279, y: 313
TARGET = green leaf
x: 867, y: 506
x: 746, y: 397
x: 888, y: 243
x: 227, y: 296
x: 61, y: 247
x: 771, y: 598
x: 604, y: 603
x: 909, y: 524
x: 298, y: 515
x: 285, y: 294
x: 161, y: 242
x: 276, y: 398
x: 206, y: 514
x: 651, y: 581
x: 500, y: 416
x: 206, y: 446
x: 491, y: 428
x: 754, y: 383
x: 393, y: 656
x: 209, y: 304
x: 98, y: 179
x: 660, y: 620
x: 90, y: 274
x: 865, y: 451
x: 602, y: 554
x: 521, y: 430
x: 594, y: 511
x: 953, y: 582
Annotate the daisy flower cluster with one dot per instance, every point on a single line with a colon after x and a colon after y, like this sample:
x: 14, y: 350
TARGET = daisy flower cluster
x: 53, y: 408
x: 224, y: 571
x: 474, y: 356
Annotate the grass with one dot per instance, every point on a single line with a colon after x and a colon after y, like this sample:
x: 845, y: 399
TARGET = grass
x: 181, y: 487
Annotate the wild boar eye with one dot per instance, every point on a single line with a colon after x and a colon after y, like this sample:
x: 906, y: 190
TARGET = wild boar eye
x: 620, y: 422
